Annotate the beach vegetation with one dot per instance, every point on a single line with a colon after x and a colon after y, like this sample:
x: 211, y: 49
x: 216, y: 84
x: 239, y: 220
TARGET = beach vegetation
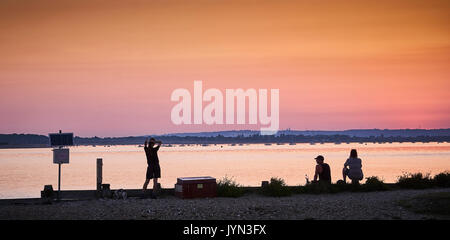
x: 373, y: 184
x: 228, y: 187
x: 415, y: 181
x: 276, y: 188
x: 442, y: 179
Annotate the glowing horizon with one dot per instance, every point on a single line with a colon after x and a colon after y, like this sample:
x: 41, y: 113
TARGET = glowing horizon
x: 107, y: 68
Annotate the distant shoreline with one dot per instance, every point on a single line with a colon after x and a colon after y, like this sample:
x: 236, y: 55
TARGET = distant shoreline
x: 206, y: 143
x: 246, y: 137
x: 16, y: 146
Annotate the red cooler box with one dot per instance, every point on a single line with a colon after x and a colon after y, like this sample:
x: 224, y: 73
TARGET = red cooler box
x: 196, y: 187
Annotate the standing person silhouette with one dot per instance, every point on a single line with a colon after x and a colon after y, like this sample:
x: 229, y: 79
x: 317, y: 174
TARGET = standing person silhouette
x: 153, y: 168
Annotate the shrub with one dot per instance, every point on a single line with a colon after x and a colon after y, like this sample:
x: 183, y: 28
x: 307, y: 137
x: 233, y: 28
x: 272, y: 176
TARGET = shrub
x: 414, y: 181
x: 227, y: 187
x: 374, y: 184
x: 442, y: 179
x: 276, y: 188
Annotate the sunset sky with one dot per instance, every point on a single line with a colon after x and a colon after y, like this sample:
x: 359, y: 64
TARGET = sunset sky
x: 108, y: 68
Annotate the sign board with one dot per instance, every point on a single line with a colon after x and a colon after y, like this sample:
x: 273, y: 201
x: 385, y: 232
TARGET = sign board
x: 61, y: 155
x: 61, y: 139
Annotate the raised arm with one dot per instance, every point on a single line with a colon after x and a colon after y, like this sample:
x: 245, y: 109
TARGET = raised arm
x: 158, y: 145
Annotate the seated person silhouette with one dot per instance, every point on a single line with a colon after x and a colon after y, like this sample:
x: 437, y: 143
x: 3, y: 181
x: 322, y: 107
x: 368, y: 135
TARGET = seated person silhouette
x: 323, y: 172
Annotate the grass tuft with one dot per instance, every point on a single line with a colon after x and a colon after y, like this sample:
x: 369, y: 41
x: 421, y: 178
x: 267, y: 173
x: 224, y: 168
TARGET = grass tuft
x: 276, y: 188
x: 227, y: 187
x: 442, y: 179
x: 374, y: 184
x: 415, y: 181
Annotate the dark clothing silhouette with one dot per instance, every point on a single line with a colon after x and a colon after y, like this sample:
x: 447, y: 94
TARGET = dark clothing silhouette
x: 153, y: 169
x: 152, y: 155
x: 325, y: 175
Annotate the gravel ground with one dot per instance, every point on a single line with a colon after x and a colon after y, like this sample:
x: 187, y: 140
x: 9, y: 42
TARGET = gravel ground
x: 371, y: 205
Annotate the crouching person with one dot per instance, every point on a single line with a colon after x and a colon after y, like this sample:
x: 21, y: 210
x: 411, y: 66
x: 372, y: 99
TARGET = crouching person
x: 353, y: 168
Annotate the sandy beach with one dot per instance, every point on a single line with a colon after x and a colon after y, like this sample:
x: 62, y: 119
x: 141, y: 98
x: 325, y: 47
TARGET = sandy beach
x: 345, y: 206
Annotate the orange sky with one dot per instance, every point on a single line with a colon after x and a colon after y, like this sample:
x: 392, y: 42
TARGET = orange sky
x: 107, y: 68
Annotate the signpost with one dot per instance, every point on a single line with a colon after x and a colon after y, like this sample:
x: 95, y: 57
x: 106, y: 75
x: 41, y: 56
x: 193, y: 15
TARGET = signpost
x: 59, y: 142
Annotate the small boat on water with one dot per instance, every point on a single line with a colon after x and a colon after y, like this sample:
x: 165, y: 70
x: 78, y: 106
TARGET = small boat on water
x: 205, y: 145
x: 292, y: 143
x: 268, y: 144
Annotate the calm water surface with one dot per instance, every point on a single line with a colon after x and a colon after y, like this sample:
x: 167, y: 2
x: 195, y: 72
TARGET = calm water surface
x: 24, y: 172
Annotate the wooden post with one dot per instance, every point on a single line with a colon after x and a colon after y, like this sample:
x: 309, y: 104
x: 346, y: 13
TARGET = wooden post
x: 99, y: 175
x: 264, y: 183
x: 59, y: 181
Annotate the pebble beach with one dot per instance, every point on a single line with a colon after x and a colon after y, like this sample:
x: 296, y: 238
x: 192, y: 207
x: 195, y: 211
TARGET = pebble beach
x: 342, y: 206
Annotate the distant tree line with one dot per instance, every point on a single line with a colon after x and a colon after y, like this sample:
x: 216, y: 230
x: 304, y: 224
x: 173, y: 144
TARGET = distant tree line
x: 30, y: 140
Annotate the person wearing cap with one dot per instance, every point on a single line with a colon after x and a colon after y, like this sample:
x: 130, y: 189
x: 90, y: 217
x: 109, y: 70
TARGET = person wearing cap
x: 352, y: 168
x: 323, y: 171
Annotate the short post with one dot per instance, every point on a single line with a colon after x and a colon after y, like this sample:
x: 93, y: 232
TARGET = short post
x: 48, y: 194
x: 59, y: 181
x: 99, y: 175
x: 264, y: 183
